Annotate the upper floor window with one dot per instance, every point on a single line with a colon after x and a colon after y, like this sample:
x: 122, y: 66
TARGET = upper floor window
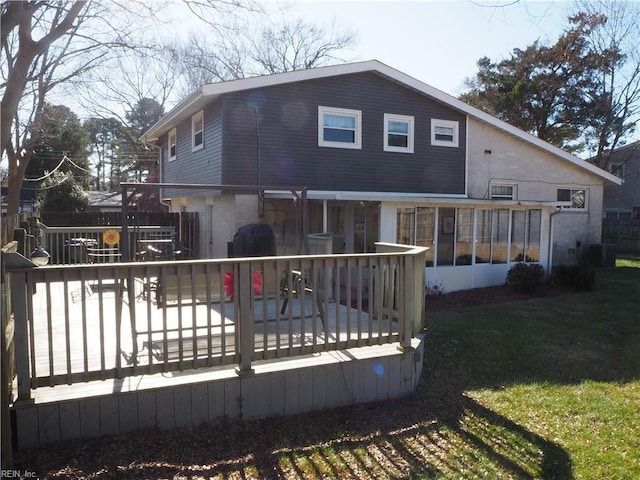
x: 444, y: 133
x: 339, y: 128
x: 171, y: 144
x: 504, y: 192
x: 197, y: 131
x: 618, y: 169
x: 398, y: 133
x: 572, y: 198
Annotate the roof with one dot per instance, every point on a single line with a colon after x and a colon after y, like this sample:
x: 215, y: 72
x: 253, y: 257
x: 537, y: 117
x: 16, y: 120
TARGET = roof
x: 210, y: 92
x: 105, y: 199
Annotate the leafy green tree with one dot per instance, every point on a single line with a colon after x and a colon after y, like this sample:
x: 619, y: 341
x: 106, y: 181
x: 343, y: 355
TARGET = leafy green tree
x: 60, y: 143
x: 103, y: 134
x: 617, y: 96
x: 61, y: 192
x: 555, y: 92
x: 134, y: 161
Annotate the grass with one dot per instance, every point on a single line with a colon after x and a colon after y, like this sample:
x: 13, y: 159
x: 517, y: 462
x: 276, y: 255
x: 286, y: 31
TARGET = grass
x: 543, y: 388
x: 563, y: 372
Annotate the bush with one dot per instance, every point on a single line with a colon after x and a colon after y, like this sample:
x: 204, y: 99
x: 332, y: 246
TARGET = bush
x: 526, y: 277
x: 434, y: 289
x: 581, y: 277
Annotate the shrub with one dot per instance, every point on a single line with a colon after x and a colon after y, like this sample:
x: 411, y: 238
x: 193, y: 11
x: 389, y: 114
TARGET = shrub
x: 526, y: 277
x: 434, y: 289
x: 581, y: 277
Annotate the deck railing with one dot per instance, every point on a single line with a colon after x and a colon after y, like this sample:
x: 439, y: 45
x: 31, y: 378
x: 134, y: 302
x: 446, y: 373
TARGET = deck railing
x: 95, y: 322
x: 74, y: 245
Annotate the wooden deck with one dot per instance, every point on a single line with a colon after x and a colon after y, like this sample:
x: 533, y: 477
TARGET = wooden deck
x: 151, y: 335
x: 279, y: 386
x: 96, y: 353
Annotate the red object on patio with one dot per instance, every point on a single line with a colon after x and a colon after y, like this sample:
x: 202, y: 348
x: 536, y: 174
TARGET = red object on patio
x: 228, y: 284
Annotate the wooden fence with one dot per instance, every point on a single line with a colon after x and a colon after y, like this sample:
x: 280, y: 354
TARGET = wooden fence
x: 624, y: 234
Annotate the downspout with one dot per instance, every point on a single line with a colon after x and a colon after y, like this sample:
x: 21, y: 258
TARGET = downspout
x: 550, y: 256
x: 258, y: 165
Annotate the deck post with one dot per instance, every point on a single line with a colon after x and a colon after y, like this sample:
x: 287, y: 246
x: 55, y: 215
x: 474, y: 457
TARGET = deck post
x: 420, y: 285
x: 244, y: 317
x: 21, y: 338
x: 409, y: 302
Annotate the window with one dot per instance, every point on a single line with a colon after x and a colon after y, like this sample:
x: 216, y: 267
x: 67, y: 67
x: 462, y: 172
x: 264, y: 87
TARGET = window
x: 464, y: 236
x: 467, y: 236
x: 339, y: 128
x: 446, y: 236
x: 483, y: 236
x: 505, y: 192
x: 398, y: 133
x: 444, y: 133
x: 197, y: 131
x: 416, y: 226
x: 618, y: 169
x: 499, y: 235
x: 171, y: 145
x: 525, y: 235
x: 572, y: 198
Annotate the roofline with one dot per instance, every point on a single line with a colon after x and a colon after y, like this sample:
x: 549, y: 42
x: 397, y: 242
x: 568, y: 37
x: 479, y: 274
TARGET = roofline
x: 214, y: 90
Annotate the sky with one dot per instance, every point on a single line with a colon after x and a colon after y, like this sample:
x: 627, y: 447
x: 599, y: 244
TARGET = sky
x: 439, y: 42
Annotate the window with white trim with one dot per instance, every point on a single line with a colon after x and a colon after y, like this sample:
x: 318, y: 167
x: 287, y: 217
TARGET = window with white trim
x: 197, y: 131
x: 171, y: 145
x: 618, y: 169
x: 339, y: 128
x: 572, y: 198
x: 503, y: 191
x: 398, y: 133
x: 444, y: 133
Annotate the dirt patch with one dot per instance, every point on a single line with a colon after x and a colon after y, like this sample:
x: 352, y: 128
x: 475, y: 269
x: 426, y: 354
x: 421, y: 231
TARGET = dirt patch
x: 486, y: 296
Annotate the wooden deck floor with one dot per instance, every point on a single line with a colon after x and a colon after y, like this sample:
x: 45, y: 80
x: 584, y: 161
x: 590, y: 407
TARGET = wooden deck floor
x: 87, y: 316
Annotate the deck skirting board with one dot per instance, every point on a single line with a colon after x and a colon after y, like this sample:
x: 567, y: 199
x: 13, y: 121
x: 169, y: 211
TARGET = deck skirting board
x: 273, y: 388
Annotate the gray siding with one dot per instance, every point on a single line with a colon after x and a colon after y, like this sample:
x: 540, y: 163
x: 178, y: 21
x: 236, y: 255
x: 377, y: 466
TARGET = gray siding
x: 201, y: 166
x: 627, y: 195
x: 271, y: 134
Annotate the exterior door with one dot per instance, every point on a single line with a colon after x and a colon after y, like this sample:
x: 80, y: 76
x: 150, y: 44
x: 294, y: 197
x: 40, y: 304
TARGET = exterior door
x: 358, y: 224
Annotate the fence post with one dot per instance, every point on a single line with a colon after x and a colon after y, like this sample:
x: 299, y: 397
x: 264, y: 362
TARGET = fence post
x: 18, y: 285
x: 243, y: 285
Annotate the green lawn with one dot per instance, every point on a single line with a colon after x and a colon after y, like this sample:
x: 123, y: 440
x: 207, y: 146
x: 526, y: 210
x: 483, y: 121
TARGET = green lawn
x: 548, y: 388
x: 543, y: 388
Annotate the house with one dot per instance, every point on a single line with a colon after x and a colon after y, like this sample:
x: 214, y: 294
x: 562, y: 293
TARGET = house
x: 383, y: 157
x: 105, y: 201
x: 623, y: 201
x: 27, y: 201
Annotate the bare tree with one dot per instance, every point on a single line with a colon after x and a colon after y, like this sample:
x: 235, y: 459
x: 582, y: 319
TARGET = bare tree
x: 274, y: 48
x: 298, y: 45
x: 45, y: 45
x: 618, y: 95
